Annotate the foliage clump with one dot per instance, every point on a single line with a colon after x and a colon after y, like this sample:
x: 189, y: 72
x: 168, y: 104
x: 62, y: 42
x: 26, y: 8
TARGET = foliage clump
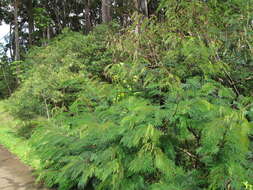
x: 157, y: 110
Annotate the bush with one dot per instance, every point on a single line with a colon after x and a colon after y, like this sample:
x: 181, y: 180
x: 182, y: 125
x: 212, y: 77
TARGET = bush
x: 7, y: 79
x: 154, y: 110
x: 192, y: 141
x: 54, y: 75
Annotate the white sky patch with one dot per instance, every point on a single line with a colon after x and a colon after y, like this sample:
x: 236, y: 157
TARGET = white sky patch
x: 4, y: 30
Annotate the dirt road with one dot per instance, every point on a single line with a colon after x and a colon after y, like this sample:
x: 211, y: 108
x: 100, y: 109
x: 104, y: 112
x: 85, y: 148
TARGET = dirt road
x: 13, y: 174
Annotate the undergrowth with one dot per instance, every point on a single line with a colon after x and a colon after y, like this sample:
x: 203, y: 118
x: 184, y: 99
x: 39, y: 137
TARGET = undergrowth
x: 14, y: 142
x: 167, y: 108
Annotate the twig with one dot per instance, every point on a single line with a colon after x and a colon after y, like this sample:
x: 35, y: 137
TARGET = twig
x: 232, y: 83
x: 188, y: 153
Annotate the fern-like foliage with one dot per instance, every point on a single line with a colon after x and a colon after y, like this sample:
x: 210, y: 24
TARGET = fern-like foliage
x: 157, y: 110
x: 130, y: 143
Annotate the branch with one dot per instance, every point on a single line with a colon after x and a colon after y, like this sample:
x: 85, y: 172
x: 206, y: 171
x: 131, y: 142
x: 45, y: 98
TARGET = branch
x: 188, y: 153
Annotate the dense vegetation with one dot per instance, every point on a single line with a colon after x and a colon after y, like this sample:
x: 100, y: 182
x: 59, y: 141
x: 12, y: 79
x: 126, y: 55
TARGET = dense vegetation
x: 169, y: 107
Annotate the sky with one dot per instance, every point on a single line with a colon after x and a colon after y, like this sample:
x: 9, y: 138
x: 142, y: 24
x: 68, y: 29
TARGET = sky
x: 4, y: 29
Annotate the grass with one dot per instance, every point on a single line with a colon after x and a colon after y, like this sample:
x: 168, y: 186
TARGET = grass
x: 15, y: 144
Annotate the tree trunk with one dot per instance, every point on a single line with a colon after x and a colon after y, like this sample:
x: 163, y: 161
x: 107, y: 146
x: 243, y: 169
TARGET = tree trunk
x: 48, y: 33
x: 144, y: 7
x: 44, y: 37
x: 17, y: 46
x: 30, y: 21
x: 141, y: 6
x: 11, y: 42
x: 58, y: 20
x: 87, y: 14
x: 106, y: 11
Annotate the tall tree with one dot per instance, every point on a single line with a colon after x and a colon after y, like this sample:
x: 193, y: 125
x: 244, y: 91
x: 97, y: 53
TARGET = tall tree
x: 30, y: 20
x: 141, y: 6
x: 17, y: 45
x: 87, y: 14
x: 106, y: 11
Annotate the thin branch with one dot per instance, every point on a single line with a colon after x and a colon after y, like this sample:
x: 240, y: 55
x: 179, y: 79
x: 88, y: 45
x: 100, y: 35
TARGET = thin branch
x: 188, y: 153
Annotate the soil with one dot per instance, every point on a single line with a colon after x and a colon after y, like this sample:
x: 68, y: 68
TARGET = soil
x: 14, y: 175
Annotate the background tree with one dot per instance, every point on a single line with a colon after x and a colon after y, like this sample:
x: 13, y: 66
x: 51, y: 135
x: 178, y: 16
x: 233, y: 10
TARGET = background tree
x: 141, y: 6
x: 16, y: 24
x: 87, y: 13
x: 106, y: 11
x: 29, y: 8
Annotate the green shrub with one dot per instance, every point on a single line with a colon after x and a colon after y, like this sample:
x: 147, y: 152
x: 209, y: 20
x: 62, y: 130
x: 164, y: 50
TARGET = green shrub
x: 7, y: 79
x: 26, y: 129
x: 131, y: 143
x: 53, y: 75
x: 155, y: 110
